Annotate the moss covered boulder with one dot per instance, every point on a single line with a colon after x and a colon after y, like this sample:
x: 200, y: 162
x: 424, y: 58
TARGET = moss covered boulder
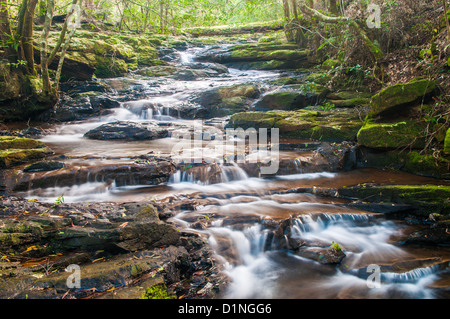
x: 392, y: 135
x: 16, y: 151
x: 292, y: 97
x: 105, y: 55
x: 394, y: 99
x: 447, y: 142
x: 427, y: 198
x: 333, y: 126
x: 263, y: 56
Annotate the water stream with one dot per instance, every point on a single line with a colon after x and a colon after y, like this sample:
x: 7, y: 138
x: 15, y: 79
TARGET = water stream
x: 240, y: 208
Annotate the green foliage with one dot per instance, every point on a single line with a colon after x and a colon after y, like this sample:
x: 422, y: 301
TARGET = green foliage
x: 59, y: 200
x: 335, y: 246
x: 327, y: 106
x: 158, y: 292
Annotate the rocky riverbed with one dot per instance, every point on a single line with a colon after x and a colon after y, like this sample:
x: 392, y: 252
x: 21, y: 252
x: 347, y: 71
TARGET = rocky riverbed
x: 98, y: 184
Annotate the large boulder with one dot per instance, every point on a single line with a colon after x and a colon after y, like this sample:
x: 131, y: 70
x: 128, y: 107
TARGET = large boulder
x: 227, y: 100
x: 333, y: 126
x: 122, y: 130
x: 263, y: 56
x: 394, y: 100
x: 392, y: 135
x: 292, y: 97
x: 102, y: 55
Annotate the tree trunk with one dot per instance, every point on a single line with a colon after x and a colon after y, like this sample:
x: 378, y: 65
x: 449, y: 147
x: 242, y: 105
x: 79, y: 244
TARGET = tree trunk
x: 5, y: 30
x: 47, y: 85
x: 446, y: 20
x: 64, y: 49
x: 25, y: 32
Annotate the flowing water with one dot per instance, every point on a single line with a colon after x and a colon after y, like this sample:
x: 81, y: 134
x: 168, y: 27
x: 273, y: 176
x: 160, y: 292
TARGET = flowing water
x: 237, y: 208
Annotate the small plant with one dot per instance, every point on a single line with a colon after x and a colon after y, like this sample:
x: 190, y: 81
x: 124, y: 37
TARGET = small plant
x: 18, y: 63
x: 59, y: 200
x: 158, y: 291
x: 336, y: 246
x: 327, y: 106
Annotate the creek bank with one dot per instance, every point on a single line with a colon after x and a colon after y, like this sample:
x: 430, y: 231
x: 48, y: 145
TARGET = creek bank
x: 107, y: 241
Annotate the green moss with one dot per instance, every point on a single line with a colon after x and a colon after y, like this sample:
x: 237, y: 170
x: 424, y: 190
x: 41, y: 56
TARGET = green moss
x: 13, y: 142
x: 434, y: 198
x: 447, y: 142
x: 351, y: 102
x: 392, y: 135
x: 398, y: 95
x: 16, y: 150
x: 335, y: 126
x: 238, y: 90
x: 156, y: 71
x: 266, y: 56
x: 158, y: 291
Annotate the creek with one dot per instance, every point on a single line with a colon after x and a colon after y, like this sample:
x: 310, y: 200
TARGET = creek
x: 238, y: 210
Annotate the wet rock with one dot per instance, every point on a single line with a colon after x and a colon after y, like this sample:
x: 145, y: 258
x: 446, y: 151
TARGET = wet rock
x: 426, y: 198
x: 149, y: 172
x: 47, y: 234
x: 322, y: 255
x: 103, y: 102
x: 127, y: 131
x: 227, y: 100
x: 74, y: 109
x: 43, y: 166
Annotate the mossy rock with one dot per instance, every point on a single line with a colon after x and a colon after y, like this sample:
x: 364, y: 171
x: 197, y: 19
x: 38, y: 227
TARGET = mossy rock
x: 411, y: 162
x: 394, y: 99
x: 333, y: 126
x: 156, y: 71
x: 15, y: 151
x: 447, y: 142
x: 292, y: 97
x: 426, y: 198
x: 392, y: 135
x: 238, y: 90
x: 13, y: 142
x: 110, y: 55
x: 266, y: 56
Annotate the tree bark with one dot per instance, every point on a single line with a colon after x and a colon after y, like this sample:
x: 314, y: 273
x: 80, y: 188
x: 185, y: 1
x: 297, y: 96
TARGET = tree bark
x: 5, y: 29
x: 25, y: 31
x: 44, y: 40
x: 446, y: 20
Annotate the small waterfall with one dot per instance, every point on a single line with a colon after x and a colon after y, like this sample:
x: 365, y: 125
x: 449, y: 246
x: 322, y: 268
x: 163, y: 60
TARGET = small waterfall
x: 232, y: 172
x: 411, y: 276
x: 252, y: 272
